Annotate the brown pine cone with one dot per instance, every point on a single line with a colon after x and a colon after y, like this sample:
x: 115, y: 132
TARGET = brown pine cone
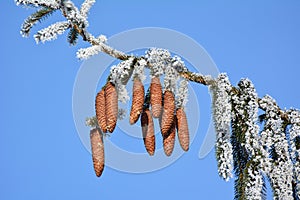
x: 156, y: 97
x: 167, y: 112
x: 100, y: 110
x: 111, y: 106
x: 169, y: 139
x: 97, y: 150
x: 182, y: 129
x: 148, y: 131
x: 138, y: 94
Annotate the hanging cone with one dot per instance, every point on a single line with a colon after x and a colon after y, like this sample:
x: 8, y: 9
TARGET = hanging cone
x: 97, y: 150
x: 111, y: 106
x: 167, y: 112
x: 169, y: 140
x: 182, y: 129
x: 138, y: 94
x: 148, y: 131
x: 100, y: 110
x: 156, y: 97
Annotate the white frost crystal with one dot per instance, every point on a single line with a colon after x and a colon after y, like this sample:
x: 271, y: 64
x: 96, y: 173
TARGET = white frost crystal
x: 139, y: 70
x: 118, y: 74
x: 281, y: 172
x: 73, y: 15
x: 182, y: 93
x: 294, y: 132
x: 246, y: 111
x: 248, y: 100
x: 85, y: 53
x: 254, y: 184
x: 48, y: 3
x: 51, y: 32
x: 85, y: 7
x: 178, y: 64
x: 170, y: 80
x: 159, y: 59
x: 221, y: 106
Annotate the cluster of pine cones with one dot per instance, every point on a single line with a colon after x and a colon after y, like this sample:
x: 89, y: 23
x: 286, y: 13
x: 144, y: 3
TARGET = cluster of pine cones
x: 155, y: 103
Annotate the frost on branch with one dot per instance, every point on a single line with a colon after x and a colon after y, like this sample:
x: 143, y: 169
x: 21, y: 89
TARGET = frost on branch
x: 119, y: 75
x: 221, y: 107
x: 170, y: 80
x: 159, y: 59
x: 51, y: 32
x: 182, y: 93
x: 86, y: 53
x: 294, y: 133
x: 54, y: 4
x: 248, y: 154
x: 33, y: 19
x: 85, y: 7
x: 139, y: 69
x: 72, y: 13
x: 281, y: 172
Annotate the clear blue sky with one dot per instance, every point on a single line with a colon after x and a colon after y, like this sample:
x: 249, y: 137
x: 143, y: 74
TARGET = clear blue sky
x: 42, y: 156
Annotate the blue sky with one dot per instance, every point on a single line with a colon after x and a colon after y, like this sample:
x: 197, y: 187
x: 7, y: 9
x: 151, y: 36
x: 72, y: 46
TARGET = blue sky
x: 42, y: 156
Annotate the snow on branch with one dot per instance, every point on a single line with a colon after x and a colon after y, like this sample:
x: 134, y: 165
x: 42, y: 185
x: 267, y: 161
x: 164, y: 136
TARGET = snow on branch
x: 51, y: 32
x: 54, y: 4
x: 86, y: 53
x: 250, y: 159
x: 158, y: 59
x: 139, y: 70
x: 280, y: 174
x: 171, y: 77
x: 72, y: 13
x: 221, y: 106
x: 119, y: 75
x: 294, y: 133
x: 182, y: 93
x: 85, y: 7
x: 33, y: 19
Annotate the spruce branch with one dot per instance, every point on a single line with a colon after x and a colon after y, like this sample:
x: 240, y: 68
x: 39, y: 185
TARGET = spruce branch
x: 51, y: 32
x: 221, y: 107
x: 85, y: 7
x: 273, y: 152
x: 280, y: 173
x: 36, y: 17
x: 51, y: 4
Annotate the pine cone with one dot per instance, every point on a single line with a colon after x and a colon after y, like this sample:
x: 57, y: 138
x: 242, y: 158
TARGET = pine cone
x: 182, y: 129
x: 148, y: 131
x: 97, y: 150
x: 156, y: 97
x: 138, y: 94
x: 169, y: 139
x: 111, y: 106
x: 100, y: 110
x: 167, y: 112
